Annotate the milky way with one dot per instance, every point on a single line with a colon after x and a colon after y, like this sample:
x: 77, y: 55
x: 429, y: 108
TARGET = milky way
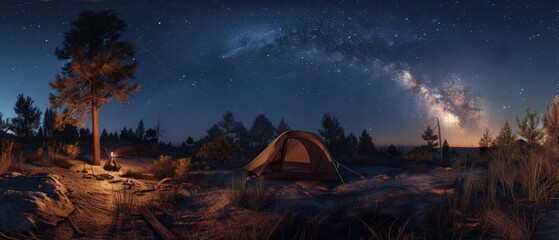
x: 387, y: 67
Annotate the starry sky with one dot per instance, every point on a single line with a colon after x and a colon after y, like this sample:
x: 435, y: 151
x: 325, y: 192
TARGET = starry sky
x: 386, y: 66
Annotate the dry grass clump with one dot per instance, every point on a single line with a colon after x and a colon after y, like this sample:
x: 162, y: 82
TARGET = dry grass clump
x: 244, y: 194
x: 513, y: 226
x: 296, y: 226
x: 73, y: 150
x: 6, y: 156
x: 48, y: 156
x: 166, y: 167
x: 129, y: 173
x: 124, y: 202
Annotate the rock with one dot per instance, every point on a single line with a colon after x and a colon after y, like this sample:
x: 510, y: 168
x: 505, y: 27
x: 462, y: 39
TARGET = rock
x: 15, y: 174
x: 32, y: 202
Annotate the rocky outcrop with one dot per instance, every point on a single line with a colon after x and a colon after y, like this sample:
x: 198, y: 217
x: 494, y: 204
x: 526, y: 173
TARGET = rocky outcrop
x: 32, y: 202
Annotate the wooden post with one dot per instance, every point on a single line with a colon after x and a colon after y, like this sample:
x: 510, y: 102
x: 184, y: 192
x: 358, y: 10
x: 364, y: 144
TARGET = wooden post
x: 440, y: 141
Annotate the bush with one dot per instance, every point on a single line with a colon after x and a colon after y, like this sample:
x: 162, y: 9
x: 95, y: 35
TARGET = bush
x: 182, y: 167
x: 419, y: 154
x: 73, y: 150
x: 166, y: 167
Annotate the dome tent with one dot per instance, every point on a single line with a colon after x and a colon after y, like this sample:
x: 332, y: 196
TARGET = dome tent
x: 296, y: 155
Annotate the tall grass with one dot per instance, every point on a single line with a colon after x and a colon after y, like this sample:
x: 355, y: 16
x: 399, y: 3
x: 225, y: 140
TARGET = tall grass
x: 6, y: 156
x: 244, y: 194
x: 124, y: 202
x: 513, y: 226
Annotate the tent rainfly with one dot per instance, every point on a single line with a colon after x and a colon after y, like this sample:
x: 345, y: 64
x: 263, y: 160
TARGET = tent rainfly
x: 296, y: 155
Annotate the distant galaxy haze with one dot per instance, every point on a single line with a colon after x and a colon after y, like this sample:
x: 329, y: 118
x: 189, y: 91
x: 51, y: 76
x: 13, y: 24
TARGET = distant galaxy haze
x: 385, y: 66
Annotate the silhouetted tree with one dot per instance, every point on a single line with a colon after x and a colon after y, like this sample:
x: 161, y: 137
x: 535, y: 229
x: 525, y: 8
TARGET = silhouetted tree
x: 214, y: 132
x: 506, y: 139
x: 104, y: 135
x: 242, y: 136
x: 115, y: 137
x: 392, y: 151
x: 485, y: 143
x: 551, y: 124
x: 446, y: 152
x: 350, y: 145
x: 366, y: 148
x: 282, y: 127
x: 85, y: 133
x: 68, y: 134
x: 40, y: 132
x: 261, y: 132
x: 140, y: 130
x: 430, y: 137
x: 5, y: 125
x: 227, y: 125
x: 189, y: 141
x: 27, y: 117
x: 529, y: 128
x: 159, y: 131
x: 220, y: 149
x: 151, y: 136
x: 332, y: 133
x: 48, y: 122
x: 97, y: 67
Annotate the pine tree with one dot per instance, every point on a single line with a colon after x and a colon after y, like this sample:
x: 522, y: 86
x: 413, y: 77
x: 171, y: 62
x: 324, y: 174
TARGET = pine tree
x: 485, y: 143
x: 140, y: 131
x: 261, y: 132
x: 392, y: 151
x: 529, y: 128
x: 506, y: 139
x: 27, y: 117
x: 40, y: 133
x: 282, y: 127
x: 5, y: 125
x: 227, y: 125
x: 97, y: 67
x: 48, y: 122
x: 430, y: 137
x: 159, y: 131
x: 332, y: 133
x: 104, y: 135
x: 214, y: 131
x: 446, y: 152
x: 366, y: 148
x: 189, y: 141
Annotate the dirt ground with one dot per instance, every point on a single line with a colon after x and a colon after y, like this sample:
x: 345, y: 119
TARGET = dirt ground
x: 205, y: 213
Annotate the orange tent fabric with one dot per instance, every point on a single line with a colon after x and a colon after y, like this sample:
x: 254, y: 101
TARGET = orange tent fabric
x: 296, y: 155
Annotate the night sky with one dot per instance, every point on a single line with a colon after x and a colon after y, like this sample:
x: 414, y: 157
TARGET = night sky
x: 387, y: 67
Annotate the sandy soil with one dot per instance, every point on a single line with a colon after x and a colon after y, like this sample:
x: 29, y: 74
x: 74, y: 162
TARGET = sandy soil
x: 205, y: 213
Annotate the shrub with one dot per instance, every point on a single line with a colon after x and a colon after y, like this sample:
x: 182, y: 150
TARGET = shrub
x: 220, y: 149
x: 419, y: 154
x: 73, y: 150
x: 163, y: 167
x: 166, y: 167
x: 182, y: 166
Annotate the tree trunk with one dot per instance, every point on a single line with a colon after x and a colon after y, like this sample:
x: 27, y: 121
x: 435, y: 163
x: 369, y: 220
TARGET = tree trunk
x: 96, y: 139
